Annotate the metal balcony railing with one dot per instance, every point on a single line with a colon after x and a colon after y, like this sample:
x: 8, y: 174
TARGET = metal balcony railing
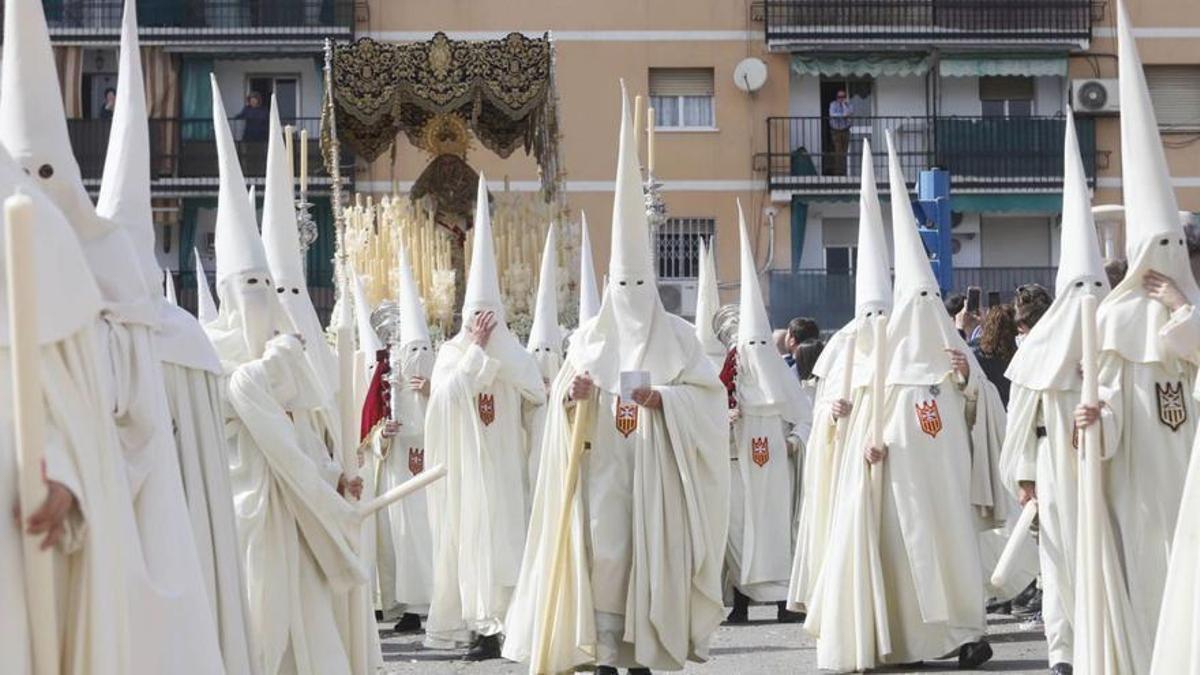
x: 854, y: 22
x: 806, y: 155
x: 184, y: 19
x: 829, y: 297
x: 184, y: 148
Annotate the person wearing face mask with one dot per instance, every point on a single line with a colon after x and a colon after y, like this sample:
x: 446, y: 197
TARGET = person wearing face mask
x: 393, y: 427
x: 771, y: 417
x: 164, y: 575
x: 641, y: 582
x: 1147, y: 374
x: 1039, y: 459
x: 298, y: 534
x: 902, y: 580
x: 825, y: 444
x: 482, y: 381
x: 545, y: 344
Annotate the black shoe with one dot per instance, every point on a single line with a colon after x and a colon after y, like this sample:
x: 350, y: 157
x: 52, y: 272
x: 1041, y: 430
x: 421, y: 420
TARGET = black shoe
x: 785, y: 615
x: 995, y: 606
x: 487, y: 647
x: 1062, y: 669
x: 974, y: 654
x: 639, y: 671
x: 409, y: 623
x: 741, y: 609
x: 606, y: 670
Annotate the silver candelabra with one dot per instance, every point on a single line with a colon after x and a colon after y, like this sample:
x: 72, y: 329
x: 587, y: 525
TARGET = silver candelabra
x: 656, y: 214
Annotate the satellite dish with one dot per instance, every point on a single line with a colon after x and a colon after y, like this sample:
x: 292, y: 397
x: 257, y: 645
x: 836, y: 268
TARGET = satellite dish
x: 750, y: 75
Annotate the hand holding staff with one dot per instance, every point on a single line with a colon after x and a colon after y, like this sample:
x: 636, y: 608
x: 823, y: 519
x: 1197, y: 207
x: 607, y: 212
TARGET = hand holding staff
x: 29, y: 421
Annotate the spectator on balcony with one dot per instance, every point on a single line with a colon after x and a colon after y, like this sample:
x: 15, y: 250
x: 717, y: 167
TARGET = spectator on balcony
x: 840, y: 112
x: 110, y: 102
x: 254, y: 118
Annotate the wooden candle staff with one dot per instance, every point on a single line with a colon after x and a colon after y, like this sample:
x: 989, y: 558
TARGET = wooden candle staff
x: 29, y: 417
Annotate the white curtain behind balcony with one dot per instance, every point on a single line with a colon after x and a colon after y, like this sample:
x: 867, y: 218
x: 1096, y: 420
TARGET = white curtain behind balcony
x: 70, y: 79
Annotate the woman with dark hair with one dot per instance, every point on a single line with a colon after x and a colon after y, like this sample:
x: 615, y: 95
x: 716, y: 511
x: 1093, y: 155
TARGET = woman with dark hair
x: 1029, y: 304
x: 996, y: 345
x: 805, y: 355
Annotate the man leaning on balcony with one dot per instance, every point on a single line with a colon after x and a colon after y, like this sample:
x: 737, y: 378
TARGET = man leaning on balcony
x: 840, y: 111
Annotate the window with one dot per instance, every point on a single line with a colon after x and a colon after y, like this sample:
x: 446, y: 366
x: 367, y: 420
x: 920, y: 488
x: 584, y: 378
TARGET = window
x: 682, y: 98
x: 840, y: 259
x: 1175, y: 92
x: 286, y: 89
x: 679, y: 246
x: 1006, y: 96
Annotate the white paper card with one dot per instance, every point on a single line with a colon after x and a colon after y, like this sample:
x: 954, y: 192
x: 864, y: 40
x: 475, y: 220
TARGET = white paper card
x: 631, y: 380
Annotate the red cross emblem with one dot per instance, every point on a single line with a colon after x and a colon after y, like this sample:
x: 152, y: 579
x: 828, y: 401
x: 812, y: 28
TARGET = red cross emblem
x: 416, y: 460
x: 929, y: 418
x: 487, y: 409
x: 626, y: 417
x: 760, y: 451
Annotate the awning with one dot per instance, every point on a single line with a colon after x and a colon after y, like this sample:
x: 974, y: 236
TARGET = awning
x: 1003, y: 65
x: 861, y: 66
x: 1001, y: 203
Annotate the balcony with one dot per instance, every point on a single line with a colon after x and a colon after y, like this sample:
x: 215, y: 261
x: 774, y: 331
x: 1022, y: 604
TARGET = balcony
x: 829, y: 297
x: 222, y: 22
x: 844, y: 24
x: 982, y: 154
x: 183, y: 154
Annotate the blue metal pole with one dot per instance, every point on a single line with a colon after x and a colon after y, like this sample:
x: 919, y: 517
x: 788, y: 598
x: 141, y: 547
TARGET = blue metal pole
x: 934, y: 222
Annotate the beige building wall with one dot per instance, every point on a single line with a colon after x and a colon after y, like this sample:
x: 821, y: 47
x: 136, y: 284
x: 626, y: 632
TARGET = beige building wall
x: 1167, y: 33
x: 597, y: 44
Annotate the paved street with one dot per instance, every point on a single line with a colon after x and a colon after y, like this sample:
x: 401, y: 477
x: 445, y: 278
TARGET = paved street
x: 762, y: 647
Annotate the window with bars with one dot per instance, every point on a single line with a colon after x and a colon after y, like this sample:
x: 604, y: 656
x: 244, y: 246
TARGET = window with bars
x: 679, y: 246
x: 683, y: 98
x: 1175, y: 92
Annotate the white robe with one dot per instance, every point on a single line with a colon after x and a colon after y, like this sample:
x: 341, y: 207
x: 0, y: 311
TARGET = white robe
x: 92, y: 601
x: 648, y: 530
x: 297, y: 534
x: 549, y: 364
x: 1177, y: 643
x: 930, y: 579
x: 1052, y: 463
x: 475, y: 427
x: 170, y: 612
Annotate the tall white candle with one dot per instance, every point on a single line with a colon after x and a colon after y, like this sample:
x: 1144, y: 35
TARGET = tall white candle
x: 637, y: 124
x: 29, y: 422
x: 289, y: 142
x: 650, y: 141
x: 303, y: 161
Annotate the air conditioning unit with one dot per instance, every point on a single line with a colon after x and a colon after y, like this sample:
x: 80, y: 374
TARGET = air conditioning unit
x: 679, y: 296
x: 1095, y: 97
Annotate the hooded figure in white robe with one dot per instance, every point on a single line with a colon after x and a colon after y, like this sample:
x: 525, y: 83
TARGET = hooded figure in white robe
x: 170, y: 610
x: 404, y: 545
x: 772, y: 414
x: 708, y: 300
x: 206, y: 307
x: 914, y: 591
x: 825, y: 444
x: 642, y: 583
x: 81, y: 455
x: 1040, y: 445
x: 190, y: 365
x: 589, y: 297
x: 1146, y: 378
x: 298, y: 535
x: 546, y: 344
x: 475, y: 426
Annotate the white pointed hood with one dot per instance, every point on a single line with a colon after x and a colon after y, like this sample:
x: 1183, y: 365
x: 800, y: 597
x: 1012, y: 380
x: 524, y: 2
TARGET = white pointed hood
x: 632, y: 330
x: 872, y: 275
x: 59, y: 267
x: 250, y: 313
x: 1049, y: 356
x: 169, y: 293
x: 765, y: 384
x: 414, y: 327
x: 368, y: 339
x: 125, y: 199
x: 707, y: 302
x: 589, y: 296
x: 206, y: 307
x: 281, y: 240
x: 33, y: 128
x: 546, y: 332
x: 919, y: 329
x: 483, y: 287
x: 1154, y: 239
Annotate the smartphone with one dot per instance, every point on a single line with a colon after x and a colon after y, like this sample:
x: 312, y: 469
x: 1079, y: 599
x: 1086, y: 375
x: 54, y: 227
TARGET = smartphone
x: 994, y: 299
x: 974, y: 296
